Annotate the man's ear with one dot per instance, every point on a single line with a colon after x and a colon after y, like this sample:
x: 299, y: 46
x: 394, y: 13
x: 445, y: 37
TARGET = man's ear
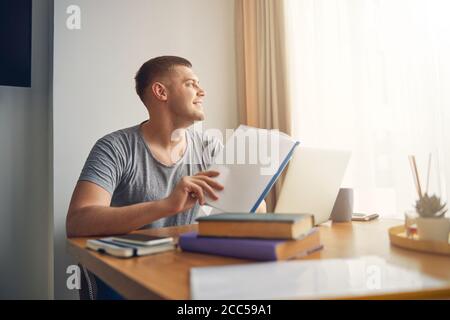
x: 159, y: 91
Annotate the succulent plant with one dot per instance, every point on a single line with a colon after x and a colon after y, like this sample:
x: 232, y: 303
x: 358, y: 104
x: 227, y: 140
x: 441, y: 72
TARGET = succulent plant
x: 430, y: 207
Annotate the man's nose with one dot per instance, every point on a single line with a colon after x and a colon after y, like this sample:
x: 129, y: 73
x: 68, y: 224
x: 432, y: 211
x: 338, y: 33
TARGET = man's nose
x: 201, y: 92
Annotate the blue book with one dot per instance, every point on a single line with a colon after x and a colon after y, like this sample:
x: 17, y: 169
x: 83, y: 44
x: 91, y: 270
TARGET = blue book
x: 253, y: 249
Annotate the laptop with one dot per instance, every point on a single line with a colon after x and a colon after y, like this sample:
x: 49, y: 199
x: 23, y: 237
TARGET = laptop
x: 312, y: 182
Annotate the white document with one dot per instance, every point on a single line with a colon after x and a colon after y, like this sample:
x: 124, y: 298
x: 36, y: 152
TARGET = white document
x: 307, y: 279
x: 249, y: 165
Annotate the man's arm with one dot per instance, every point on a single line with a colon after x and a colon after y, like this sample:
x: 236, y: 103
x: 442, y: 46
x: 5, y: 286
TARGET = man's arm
x: 90, y: 213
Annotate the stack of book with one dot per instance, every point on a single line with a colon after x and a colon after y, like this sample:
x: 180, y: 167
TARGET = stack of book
x: 264, y: 237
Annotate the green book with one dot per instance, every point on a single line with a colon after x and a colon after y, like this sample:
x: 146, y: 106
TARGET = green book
x: 251, y: 225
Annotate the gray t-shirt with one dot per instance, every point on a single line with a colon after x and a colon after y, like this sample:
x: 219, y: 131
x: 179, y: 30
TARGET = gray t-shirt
x: 122, y: 164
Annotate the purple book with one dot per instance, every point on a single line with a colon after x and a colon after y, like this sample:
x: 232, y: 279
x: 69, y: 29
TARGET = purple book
x: 254, y: 249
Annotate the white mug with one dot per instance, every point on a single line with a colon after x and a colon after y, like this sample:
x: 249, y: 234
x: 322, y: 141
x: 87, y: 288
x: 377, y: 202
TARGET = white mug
x: 343, y: 206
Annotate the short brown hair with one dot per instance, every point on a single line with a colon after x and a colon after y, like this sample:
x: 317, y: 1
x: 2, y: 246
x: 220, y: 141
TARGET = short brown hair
x: 156, y: 67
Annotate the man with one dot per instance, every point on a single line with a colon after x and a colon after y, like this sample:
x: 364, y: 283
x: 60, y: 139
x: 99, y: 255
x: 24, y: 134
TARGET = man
x: 149, y: 175
x: 153, y: 174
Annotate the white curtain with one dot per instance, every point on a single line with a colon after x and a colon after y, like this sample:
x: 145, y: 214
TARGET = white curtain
x: 373, y: 76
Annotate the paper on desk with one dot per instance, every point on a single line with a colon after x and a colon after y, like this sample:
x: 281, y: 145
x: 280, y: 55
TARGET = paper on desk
x: 307, y: 279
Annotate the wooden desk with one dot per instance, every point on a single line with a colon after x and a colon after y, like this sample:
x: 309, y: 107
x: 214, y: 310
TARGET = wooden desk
x: 166, y: 275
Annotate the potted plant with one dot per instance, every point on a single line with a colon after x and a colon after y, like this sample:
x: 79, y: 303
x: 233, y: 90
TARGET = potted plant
x: 431, y: 223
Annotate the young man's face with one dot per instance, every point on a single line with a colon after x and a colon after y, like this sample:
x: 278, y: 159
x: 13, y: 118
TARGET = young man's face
x: 185, y: 96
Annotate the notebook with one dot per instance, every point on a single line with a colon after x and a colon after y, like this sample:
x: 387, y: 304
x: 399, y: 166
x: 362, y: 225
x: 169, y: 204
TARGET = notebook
x: 122, y: 250
x: 249, y: 164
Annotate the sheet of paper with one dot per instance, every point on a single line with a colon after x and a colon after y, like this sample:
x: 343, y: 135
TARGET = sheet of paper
x: 250, y: 159
x: 307, y: 279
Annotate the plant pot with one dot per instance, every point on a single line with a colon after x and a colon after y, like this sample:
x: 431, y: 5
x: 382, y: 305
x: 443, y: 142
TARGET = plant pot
x: 435, y: 229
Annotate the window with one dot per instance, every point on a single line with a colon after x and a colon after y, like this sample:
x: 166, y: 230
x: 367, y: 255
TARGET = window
x: 373, y: 76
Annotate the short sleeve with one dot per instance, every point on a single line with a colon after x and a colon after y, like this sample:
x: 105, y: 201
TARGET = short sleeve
x: 104, y: 166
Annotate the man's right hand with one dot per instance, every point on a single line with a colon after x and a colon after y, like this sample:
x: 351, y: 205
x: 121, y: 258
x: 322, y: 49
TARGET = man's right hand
x: 191, y: 189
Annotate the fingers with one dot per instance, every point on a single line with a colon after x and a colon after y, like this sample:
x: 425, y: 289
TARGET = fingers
x: 206, y: 188
x: 213, y: 183
x: 201, y: 184
x: 193, y: 187
x: 209, y: 173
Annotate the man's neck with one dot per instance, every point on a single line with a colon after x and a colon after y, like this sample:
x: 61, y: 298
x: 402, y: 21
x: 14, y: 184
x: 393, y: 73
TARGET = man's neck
x: 165, y: 134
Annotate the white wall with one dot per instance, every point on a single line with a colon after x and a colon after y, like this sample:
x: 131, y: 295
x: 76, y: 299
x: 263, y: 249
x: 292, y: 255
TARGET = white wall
x: 25, y: 216
x: 93, y: 78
